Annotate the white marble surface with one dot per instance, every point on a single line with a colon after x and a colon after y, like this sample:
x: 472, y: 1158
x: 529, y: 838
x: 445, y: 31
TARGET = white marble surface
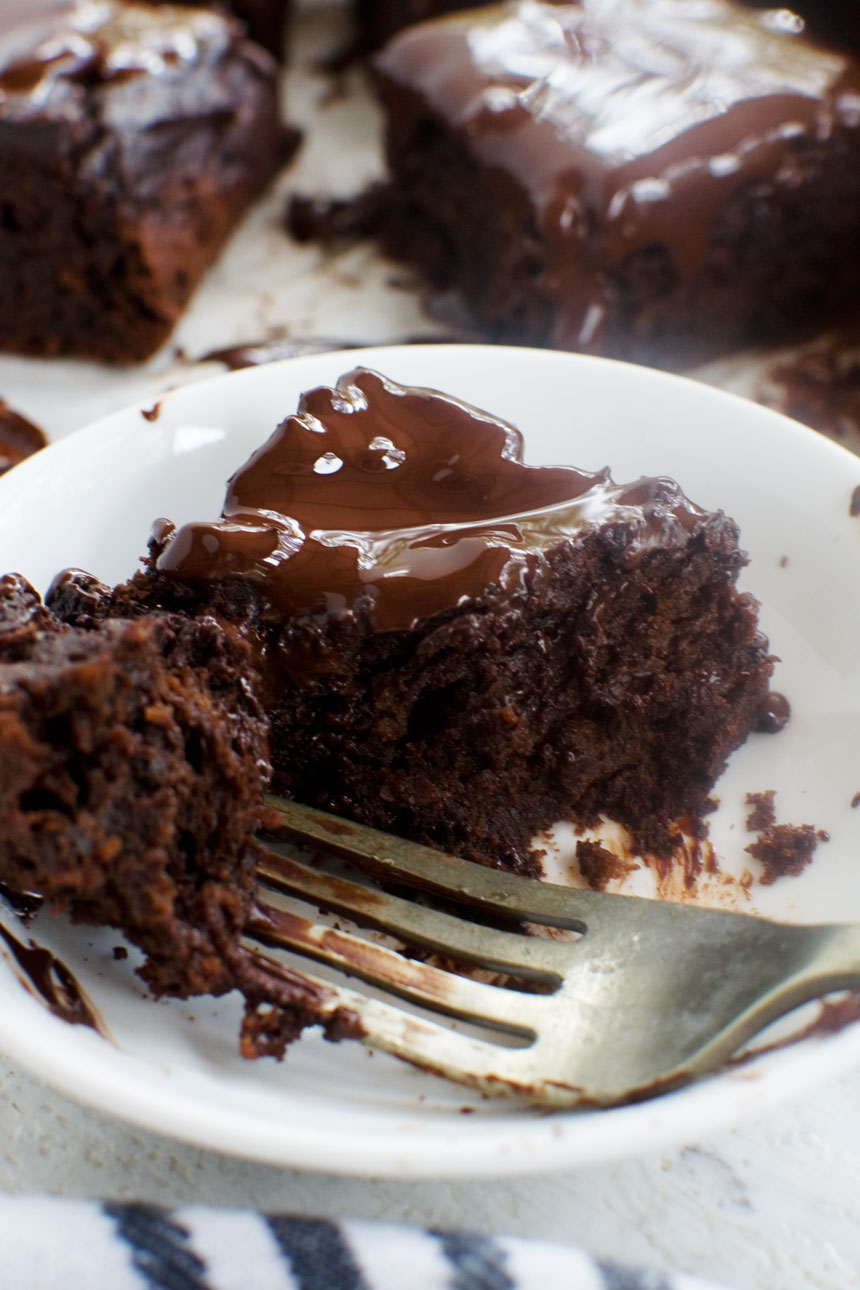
x: 771, y: 1205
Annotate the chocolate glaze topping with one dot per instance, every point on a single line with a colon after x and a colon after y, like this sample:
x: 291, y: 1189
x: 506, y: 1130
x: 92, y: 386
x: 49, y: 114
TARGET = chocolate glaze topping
x: 627, y: 122
x: 406, y: 502
x: 49, y: 47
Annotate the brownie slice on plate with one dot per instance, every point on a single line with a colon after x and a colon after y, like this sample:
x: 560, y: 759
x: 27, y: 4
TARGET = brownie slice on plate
x: 460, y: 648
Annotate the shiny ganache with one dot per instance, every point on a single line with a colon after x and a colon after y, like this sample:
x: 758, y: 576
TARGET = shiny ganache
x: 408, y: 502
x: 50, y: 47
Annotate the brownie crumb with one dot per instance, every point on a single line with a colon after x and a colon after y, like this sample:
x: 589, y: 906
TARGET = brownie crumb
x: 783, y: 562
x: 599, y: 866
x: 855, y: 801
x: 762, y: 816
x: 854, y: 508
x: 774, y: 713
x: 153, y: 413
x: 328, y: 220
x: 784, y: 850
x: 120, y: 952
x: 19, y: 438
x: 820, y: 384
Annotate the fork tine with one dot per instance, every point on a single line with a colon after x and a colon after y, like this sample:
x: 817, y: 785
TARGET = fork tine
x: 420, y: 983
x: 431, y: 1046
x: 435, y: 871
x: 528, y: 957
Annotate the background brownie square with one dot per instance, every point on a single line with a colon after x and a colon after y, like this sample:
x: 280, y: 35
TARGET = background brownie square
x: 132, y: 138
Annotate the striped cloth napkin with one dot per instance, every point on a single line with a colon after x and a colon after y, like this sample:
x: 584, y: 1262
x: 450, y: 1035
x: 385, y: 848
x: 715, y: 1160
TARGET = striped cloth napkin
x: 55, y: 1244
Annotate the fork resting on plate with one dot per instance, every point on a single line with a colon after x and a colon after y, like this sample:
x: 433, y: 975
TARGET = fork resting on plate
x: 640, y: 996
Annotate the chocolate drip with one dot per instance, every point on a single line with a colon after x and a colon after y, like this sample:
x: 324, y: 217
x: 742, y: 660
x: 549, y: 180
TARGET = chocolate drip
x: 53, y: 982
x: 408, y: 502
x: 58, y: 42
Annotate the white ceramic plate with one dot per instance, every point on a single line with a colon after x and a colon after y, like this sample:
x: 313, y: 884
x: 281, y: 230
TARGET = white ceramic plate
x: 89, y: 501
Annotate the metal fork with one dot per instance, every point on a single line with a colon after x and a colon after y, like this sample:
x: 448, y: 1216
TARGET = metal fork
x: 647, y: 996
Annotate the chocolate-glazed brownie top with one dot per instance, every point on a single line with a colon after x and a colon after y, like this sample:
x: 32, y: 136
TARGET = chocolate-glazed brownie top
x: 53, y: 49
x: 627, y: 122
x: 408, y: 501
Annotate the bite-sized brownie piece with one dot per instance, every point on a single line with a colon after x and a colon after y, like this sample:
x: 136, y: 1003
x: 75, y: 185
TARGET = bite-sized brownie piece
x: 643, y: 178
x: 133, y: 757
x: 132, y: 763
x: 460, y: 648
x: 132, y: 138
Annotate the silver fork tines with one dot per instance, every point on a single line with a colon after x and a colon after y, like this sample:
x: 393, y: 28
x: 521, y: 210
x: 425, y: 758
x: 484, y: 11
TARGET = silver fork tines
x: 648, y: 995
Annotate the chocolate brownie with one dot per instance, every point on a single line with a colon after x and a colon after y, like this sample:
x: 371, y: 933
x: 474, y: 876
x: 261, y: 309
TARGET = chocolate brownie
x: 128, y: 751
x: 132, y: 138
x: 132, y: 764
x: 642, y: 178
x: 460, y: 648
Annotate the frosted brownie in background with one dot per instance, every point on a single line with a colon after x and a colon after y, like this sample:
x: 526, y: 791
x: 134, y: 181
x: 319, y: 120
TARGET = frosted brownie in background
x: 132, y: 764
x: 836, y: 21
x: 132, y: 139
x: 641, y: 178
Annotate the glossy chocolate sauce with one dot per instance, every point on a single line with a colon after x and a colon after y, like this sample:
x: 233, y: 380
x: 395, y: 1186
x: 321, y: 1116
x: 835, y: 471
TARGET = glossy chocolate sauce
x: 407, y: 501
x: 48, y: 46
x: 52, y: 981
x: 628, y: 123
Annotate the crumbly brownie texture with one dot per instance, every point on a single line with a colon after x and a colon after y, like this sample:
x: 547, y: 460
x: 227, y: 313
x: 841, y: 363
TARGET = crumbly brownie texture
x: 436, y: 671
x: 134, y: 756
x: 131, y: 780
x: 132, y: 138
x: 634, y: 177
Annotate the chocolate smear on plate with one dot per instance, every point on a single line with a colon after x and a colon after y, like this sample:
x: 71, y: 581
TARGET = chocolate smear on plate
x: 50, y: 979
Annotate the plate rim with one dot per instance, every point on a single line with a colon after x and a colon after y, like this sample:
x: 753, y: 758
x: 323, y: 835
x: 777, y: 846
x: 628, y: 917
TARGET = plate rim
x: 543, y: 1142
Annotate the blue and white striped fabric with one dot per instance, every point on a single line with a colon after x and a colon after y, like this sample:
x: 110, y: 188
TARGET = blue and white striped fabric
x: 46, y: 1244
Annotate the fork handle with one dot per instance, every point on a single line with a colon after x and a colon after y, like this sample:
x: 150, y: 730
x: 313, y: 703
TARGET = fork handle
x: 834, y: 957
